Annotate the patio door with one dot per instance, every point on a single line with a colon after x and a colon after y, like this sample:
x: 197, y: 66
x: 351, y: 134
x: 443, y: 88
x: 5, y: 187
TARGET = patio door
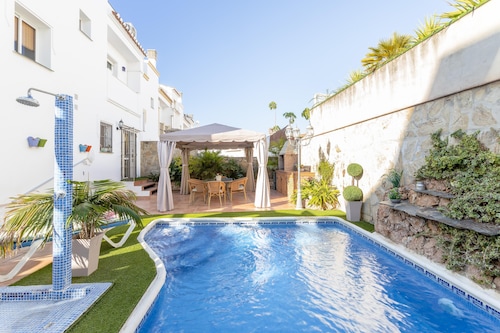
x: 129, y: 156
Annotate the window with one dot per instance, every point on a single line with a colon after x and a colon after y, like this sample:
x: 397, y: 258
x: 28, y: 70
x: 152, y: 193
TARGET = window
x: 24, y: 38
x: 111, y: 65
x: 32, y: 36
x: 152, y: 103
x: 106, y: 138
x: 85, y: 26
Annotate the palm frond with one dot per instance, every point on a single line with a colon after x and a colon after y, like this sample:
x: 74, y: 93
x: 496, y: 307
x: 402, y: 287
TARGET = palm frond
x: 30, y: 215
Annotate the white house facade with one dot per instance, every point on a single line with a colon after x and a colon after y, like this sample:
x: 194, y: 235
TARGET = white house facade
x: 85, y: 50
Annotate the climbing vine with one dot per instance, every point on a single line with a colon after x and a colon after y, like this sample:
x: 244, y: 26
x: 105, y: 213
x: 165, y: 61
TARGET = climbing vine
x: 473, y: 173
x: 462, y: 248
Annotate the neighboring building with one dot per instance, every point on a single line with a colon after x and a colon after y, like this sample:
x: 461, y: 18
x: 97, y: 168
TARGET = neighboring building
x: 85, y: 50
x: 171, y: 110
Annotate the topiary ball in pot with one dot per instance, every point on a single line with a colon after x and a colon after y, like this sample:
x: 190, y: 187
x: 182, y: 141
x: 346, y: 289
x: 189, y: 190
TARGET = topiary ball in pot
x: 352, y: 193
x: 355, y: 170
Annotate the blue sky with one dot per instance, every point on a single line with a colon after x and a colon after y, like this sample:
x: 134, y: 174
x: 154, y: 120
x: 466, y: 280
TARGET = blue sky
x: 230, y: 58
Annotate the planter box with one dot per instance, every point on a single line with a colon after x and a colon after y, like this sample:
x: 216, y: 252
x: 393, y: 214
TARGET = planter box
x: 353, y: 210
x: 85, y: 255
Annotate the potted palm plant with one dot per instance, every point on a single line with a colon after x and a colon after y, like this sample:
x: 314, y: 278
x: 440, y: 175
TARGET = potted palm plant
x: 95, y: 204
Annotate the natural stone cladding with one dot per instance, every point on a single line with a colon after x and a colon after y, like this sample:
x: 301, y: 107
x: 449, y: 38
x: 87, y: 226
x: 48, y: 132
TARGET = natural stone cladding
x: 407, y: 224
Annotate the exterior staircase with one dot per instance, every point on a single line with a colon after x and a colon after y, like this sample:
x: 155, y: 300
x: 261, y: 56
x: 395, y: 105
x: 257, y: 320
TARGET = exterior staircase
x: 143, y: 187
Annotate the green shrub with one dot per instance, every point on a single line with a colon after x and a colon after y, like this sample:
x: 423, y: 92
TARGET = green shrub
x: 466, y: 247
x: 232, y: 169
x: 355, y: 170
x: 154, y: 176
x: 325, y: 170
x: 206, y: 165
x: 473, y: 173
x: 394, y: 194
x: 319, y: 193
x: 352, y: 193
x: 175, y: 170
x: 394, y: 177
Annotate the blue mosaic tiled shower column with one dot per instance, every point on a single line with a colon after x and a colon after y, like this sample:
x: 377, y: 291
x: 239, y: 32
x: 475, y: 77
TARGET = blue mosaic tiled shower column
x: 63, y: 194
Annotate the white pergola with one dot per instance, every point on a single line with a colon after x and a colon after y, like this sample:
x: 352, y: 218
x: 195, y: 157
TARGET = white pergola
x: 213, y: 136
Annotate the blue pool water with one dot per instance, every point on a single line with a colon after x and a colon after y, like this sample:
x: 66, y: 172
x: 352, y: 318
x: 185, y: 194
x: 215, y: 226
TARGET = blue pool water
x: 296, y: 278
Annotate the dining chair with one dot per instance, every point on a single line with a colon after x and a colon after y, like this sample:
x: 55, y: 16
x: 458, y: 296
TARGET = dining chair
x: 238, y: 185
x: 196, y: 186
x: 216, y: 188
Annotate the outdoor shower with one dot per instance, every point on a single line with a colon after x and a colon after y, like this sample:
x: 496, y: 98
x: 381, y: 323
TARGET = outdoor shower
x: 46, y: 308
x: 30, y: 101
x: 63, y: 174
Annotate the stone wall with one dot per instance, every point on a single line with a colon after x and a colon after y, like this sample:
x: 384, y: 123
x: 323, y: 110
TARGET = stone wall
x: 149, y: 158
x: 420, y: 234
x: 449, y: 82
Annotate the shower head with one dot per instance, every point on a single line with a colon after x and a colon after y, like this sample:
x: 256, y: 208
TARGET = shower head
x: 28, y: 100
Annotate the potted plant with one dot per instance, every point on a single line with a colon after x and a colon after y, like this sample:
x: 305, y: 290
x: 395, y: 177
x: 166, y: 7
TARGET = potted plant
x: 353, y: 195
x: 94, y: 203
x: 394, y: 195
x: 394, y: 177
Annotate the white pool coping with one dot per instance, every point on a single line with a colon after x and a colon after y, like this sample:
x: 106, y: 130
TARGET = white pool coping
x: 487, y: 297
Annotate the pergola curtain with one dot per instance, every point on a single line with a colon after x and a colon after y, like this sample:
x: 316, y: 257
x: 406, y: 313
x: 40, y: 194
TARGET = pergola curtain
x: 262, y: 190
x: 185, y: 171
x: 165, y: 200
x: 250, y: 175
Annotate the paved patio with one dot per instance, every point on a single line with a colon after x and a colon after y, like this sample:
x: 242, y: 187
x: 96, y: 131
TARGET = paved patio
x: 43, y: 257
x: 238, y: 204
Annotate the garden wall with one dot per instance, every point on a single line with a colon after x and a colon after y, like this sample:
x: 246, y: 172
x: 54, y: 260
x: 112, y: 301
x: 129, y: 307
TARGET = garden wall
x: 450, y: 81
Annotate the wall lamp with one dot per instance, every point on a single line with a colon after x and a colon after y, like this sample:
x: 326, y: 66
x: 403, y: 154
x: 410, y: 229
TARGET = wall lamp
x: 120, y: 125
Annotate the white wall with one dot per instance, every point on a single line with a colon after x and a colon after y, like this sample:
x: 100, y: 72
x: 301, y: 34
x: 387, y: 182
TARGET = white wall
x: 448, y: 82
x: 77, y: 68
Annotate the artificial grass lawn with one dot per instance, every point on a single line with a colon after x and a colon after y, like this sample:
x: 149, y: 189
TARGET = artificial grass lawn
x: 131, y: 270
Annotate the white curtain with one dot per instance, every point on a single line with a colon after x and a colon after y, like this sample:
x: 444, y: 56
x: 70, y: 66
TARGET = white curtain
x: 262, y: 190
x: 250, y: 175
x: 165, y: 201
x: 185, y: 171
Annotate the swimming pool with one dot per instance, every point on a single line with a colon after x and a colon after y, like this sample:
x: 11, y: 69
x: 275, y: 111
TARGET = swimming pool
x: 225, y: 277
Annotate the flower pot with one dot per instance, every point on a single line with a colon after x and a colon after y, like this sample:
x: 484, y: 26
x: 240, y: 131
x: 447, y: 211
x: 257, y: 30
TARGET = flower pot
x: 33, y: 142
x: 42, y: 142
x: 420, y: 186
x: 353, y: 210
x: 395, y: 200
x: 85, y: 255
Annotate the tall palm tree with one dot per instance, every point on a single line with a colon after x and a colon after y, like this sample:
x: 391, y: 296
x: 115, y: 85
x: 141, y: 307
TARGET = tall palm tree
x: 290, y: 116
x: 306, y: 113
x: 30, y: 215
x: 273, y: 106
x: 386, y: 50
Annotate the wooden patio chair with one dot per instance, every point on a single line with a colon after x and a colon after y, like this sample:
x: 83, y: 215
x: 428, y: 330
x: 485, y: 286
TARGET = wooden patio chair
x: 238, y: 185
x: 216, y: 188
x: 196, y: 186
